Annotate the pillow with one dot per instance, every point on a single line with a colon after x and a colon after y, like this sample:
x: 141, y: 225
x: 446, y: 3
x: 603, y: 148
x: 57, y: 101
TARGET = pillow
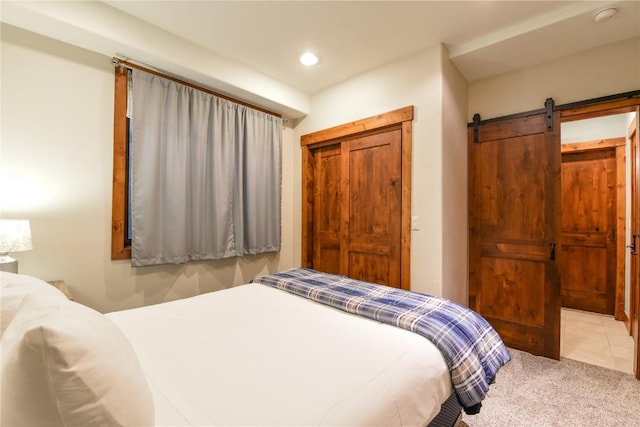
x: 13, y: 289
x: 64, y: 364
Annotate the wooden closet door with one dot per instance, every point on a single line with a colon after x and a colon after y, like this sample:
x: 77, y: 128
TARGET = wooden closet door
x: 356, y: 199
x: 327, y: 212
x: 372, y: 203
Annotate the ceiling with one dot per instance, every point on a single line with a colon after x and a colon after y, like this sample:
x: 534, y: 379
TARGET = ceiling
x: 483, y: 38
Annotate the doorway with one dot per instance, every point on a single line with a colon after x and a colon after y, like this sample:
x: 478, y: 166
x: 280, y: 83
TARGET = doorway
x: 515, y: 238
x: 596, y: 263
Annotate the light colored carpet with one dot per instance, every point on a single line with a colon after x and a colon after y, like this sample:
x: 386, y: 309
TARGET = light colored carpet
x: 541, y: 392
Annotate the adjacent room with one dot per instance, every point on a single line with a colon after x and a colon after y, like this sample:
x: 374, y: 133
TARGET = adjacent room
x: 351, y: 166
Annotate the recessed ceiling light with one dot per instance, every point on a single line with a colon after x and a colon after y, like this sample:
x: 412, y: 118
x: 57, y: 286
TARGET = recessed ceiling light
x: 308, y: 59
x: 604, y: 14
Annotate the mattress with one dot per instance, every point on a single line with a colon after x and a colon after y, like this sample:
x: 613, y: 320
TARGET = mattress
x: 255, y: 355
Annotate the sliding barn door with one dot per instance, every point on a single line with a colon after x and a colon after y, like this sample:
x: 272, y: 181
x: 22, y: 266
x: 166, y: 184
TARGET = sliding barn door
x: 514, y: 230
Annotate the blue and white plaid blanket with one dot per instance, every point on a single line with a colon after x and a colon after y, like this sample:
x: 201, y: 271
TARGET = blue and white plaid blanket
x: 472, y: 349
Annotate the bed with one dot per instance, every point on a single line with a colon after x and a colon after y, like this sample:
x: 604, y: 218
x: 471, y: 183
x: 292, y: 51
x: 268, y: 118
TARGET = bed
x: 293, y: 348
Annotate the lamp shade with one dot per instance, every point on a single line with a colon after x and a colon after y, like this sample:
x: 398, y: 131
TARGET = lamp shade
x: 15, y: 235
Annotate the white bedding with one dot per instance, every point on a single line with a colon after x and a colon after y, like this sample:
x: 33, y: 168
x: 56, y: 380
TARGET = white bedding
x: 257, y: 356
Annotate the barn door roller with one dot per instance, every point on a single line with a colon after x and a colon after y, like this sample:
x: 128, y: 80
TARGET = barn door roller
x: 476, y: 125
x: 548, y: 108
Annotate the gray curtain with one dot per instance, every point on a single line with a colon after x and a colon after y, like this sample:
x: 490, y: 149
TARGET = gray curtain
x: 206, y: 175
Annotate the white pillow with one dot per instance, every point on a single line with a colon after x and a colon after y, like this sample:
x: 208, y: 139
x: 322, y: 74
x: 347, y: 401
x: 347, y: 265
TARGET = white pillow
x: 13, y: 289
x: 64, y: 364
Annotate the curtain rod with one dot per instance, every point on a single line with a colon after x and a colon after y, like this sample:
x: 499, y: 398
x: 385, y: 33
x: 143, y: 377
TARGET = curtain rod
x: 124, y: 63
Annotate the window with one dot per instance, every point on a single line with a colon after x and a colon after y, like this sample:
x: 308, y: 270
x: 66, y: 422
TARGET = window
x: 206, y: 173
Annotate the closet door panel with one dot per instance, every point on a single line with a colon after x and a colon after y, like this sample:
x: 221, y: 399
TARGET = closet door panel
x: 372, y: 199
x: 327, y: 209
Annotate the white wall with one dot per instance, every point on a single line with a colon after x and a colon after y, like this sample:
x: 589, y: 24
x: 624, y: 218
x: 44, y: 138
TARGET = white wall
x: 418, y: 81
x: 613, y: 126
x: 56, y: 170
x: 594, y: 73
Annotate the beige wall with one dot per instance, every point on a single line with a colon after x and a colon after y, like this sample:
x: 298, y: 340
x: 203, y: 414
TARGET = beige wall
x: 594, y: 73
x: 454, y: 184
x: 55, y: 169
x: 418, y: 81
x: 56, y: 160
x: 101, y: 28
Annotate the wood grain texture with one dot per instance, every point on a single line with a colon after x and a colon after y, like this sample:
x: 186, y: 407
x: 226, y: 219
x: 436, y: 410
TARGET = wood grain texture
x: 621, y: 225
x: 119, y: 244
x: 514, y: 215
x: 405, y: 247
x: 589, y: 220
x: 512, y: 128
x: 371, y: 250
x: 378, y: 122
x: 357, y: 199
x: 634, y: 303
x: 327, y: 209
x: 596, y: 110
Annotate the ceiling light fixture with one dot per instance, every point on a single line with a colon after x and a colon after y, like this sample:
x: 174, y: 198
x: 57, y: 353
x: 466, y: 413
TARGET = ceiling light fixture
x: 308, y: 59
x: 604, y: 15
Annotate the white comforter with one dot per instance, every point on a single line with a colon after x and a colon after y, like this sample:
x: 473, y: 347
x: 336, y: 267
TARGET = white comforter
x: 257, y: 356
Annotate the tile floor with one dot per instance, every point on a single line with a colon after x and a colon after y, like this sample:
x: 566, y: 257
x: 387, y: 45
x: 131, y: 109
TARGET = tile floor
x: 596, y: 339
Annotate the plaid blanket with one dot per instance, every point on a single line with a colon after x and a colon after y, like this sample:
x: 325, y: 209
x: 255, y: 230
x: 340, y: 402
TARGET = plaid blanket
x: 472, y: 349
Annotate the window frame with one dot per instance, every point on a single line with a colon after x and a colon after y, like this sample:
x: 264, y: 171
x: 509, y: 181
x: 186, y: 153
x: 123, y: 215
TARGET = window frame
x: 120, y: 243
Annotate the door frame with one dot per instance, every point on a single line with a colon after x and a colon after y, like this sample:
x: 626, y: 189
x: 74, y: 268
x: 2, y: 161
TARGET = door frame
x: 634, y: 305
x: 619, y: 145
x: 605, y: 107
x: 401, y: 117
